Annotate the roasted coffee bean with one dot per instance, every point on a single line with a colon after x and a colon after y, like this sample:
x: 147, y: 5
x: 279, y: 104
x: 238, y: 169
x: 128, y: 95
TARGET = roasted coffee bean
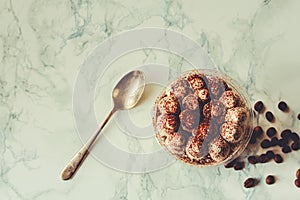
x: 270, y: 117
x: 286, y: 133
x: 270, y: 179
x: 271, y: 132
x: 297, y: 182
x: 274, y: 141
x: 257, y: 131
x: 250, y: 182
x: 283, y: 106
x: 298, y: 173
x: 283, y: 142
x: 252, y: 159
x: 259, y: 107
x: 278, y: 158
x: 265, y: 144
x: 252, y: 140
x: 230, y: 164
x: 254, y: 114
x: 270, y: 154
x: 295, y: 146
x: 263, y: 158
x: 294, y: 136
x: 239, y: 166
x: 286, y: 149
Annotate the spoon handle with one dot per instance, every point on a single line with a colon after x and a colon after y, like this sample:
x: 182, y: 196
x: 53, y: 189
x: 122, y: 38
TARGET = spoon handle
x: 71, y: 168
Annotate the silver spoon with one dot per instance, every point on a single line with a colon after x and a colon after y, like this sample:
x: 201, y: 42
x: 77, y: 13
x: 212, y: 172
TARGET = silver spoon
x: 126, y: 95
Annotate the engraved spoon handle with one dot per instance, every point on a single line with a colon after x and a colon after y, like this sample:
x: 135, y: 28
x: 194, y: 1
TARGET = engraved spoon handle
x: 74, y: 164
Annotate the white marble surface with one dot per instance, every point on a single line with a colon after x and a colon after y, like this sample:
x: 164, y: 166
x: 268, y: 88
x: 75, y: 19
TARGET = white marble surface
x: 43, y: 43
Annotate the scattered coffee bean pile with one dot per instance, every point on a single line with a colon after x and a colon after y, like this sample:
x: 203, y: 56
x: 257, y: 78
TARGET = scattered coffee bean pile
x: 287, y: 141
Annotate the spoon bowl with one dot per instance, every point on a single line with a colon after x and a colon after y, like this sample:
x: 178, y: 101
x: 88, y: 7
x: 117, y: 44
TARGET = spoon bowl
x: 129, y: 90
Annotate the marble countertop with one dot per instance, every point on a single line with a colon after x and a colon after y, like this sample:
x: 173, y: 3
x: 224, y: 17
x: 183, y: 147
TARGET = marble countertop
x: 42, y: 47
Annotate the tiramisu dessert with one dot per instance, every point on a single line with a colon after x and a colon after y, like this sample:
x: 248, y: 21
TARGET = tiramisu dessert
x: 202, y: 119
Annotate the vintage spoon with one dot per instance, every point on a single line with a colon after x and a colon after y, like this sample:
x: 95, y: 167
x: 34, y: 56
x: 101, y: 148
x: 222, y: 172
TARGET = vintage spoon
x: 126, y: 95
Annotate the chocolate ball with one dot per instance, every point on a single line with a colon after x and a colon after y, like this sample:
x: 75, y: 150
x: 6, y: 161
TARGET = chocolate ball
x: 217, y: 108
x: 231, y: 132
x: 180, y: 88
x: 203, y: 94
x: 214, y: 129
x: 229, y: 99
x: 190, y: 102
x: 196, y: 81
x: 219, y: 120
x: 237, y: 115
x: 195, y: 149
x: 175, y: 142
x: 201, y: 131
x: 189, y: 119
x: 219, y: 149
x: 216, y: 86
x: 207, y: 110
x: 167, y: 124
x: 169, y: 104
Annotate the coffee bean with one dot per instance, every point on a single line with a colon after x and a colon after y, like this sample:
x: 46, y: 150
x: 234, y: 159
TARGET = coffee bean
x: 263, y: 158
x: 252, y: 159
x: 294, y: 136
x: 286, y: 149
x: 259, y: 107
x: 270, y: 117
x: 298, y: 173
x: 286, y: 133
x: 270, y: 154
x: 297, y: 182
x: 278, y: 158
x: 270, y: 179
x: 230, y: 164
x: 283, y: 106
x: 283, y: 142
x: 250, y: 182
x: 265, y: 144
x: 298, y: 116
x: 271, y: 132
x: 252, y: 140
x: 239, y: 166
x: 257, y: 131
x: 274, y: 141
x: 295, y: 146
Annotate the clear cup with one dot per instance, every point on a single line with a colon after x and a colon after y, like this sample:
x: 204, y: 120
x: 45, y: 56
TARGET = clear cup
x: 203, y: 118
